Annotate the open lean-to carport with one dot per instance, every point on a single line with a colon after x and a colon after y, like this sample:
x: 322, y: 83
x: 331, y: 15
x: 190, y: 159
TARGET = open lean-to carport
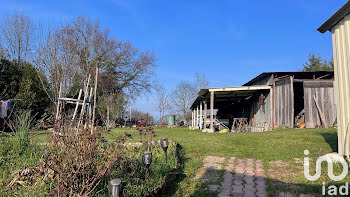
x: 251, y: 104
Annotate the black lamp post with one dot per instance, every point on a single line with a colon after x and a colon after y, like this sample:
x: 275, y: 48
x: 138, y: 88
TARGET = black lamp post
x: 164, y: 144
x: 147, y: 158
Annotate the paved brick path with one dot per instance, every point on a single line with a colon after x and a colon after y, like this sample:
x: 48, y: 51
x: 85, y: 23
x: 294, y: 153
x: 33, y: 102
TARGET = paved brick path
x: 242, y: 178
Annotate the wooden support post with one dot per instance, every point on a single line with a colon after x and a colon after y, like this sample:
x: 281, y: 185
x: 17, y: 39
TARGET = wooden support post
x: 58, y: 110
x: 273, y: 105
x: 82, y: 112
x: 271, y: 109
x: 194, y: 118
x: 200, y: 115
x: 107, y: 125
x: 76, y: 106
x: 197, y: 114
x: 211, y: 111
x: 292, y: 97
x: 205, y: 114
x: 192, y: 125
x: 94, y: 109
x: 90, y: 105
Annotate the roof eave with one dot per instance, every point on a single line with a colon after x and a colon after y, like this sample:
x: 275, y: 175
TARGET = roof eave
x: 335, y: 18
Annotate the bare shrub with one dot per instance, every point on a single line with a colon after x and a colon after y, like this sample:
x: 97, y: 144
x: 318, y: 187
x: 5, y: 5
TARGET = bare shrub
x: 80, y: 161
x: 146, y: 133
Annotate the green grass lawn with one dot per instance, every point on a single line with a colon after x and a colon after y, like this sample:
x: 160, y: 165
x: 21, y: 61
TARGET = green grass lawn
x: 280, y: 150
x: 282, y: 146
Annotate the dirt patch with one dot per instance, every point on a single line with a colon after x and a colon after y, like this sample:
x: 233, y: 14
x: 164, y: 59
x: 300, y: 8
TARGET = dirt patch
x: 213, y: 159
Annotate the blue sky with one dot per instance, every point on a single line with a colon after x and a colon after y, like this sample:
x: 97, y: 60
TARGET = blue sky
x: 230, y: 41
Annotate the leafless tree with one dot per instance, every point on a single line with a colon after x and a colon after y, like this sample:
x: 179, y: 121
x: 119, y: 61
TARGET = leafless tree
x: 162, y: 101
x: 185, y: 93
x: 201, y: 81
x: 182, y: 98
x: 71, y: 52
x: 18, y: 36
x: 68, y: 53
x: 56, y: 57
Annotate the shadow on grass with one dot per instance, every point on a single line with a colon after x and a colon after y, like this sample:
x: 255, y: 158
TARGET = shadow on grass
x: 173, y: 187
x: 332, y: 140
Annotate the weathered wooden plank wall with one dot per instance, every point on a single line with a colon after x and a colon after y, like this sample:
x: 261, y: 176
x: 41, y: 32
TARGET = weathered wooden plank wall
x: 323, y: 90
x: 261, y: 115
x: 284, y: 100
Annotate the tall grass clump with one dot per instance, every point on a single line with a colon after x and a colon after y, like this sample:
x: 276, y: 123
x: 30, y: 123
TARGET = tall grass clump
x: 20, y: 126
x: 17, y: 151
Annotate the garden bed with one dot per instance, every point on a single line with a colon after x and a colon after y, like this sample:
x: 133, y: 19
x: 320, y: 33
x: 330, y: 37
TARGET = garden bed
x: 140, y: 181
x: 137, y: 180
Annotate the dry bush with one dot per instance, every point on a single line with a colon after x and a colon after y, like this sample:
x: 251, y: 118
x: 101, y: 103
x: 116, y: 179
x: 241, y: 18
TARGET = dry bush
x: 146, y: 133
x: 80, y: 160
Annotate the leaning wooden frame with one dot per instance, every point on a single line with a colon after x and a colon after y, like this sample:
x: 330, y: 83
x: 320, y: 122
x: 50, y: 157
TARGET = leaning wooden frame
x: 86, y: 118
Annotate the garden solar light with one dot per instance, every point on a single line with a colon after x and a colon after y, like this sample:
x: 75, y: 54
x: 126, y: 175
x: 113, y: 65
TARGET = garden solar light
x: 147, y: 158
x: 115, y: 188
x: 164, y: 144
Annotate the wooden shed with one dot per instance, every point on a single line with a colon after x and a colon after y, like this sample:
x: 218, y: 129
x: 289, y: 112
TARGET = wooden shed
x: 271, y: 99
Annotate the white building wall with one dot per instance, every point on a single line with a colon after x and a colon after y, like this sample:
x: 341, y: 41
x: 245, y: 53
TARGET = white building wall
x: 341, y: 54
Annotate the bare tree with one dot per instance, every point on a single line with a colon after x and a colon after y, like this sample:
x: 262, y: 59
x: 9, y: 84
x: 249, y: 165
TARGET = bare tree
x: 185, y: 93
x: 162, y: 101
x: 182, y: 98
x: 71, y: 52
x: 57, y: 59
x: 17, y: 36
x: 201, y: 81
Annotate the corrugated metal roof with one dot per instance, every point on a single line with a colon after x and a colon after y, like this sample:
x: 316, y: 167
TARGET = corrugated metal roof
x: 296, y: 74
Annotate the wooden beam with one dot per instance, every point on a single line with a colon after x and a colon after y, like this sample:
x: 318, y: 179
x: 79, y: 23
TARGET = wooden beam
x: 292, y: 95
x: 273, y: 105
x: 94, y: 109
x: 197, y: 117
x: 211, y: 111
x: 200, y: 115
x: 242, y: 88
x: 77, y: 105
x: 205, y: 114
x: 271, y: 109
x: 322, y: 116
x: 315, y: 80
x: 192, y: 119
